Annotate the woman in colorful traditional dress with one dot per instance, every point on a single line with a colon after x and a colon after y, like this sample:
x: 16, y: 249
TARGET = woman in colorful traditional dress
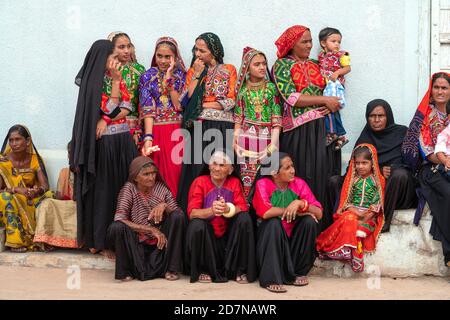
x: 288, y: 214
x: 23, y: 185
x: 131, y: 72
x: 209, y: 98
x: 257, y: 116
x: 220, y: 242
x: 301, y: 85
x: 148, y: 233
x: 359, y: 218
x: 101, y: 155
x: 159, y: 90
x: 419, y: 152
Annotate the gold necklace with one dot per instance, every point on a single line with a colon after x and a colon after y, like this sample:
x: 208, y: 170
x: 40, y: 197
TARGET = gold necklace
x: 257, y: 101
x: 162, y: 86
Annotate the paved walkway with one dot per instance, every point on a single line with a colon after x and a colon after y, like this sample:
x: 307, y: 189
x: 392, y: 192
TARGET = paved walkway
x: 53, y: 283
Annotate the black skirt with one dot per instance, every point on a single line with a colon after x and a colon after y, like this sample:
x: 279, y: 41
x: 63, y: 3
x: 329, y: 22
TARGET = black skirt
x: 314, y: 162
x: 142, y: 261
x: 221, y: 258
x: 436, y: 190
x: 281, y: 259
x: 193, y: 157
x: 96, y: 210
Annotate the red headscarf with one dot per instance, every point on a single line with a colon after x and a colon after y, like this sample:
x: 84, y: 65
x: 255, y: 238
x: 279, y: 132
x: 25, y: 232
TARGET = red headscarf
x: 288, y: 39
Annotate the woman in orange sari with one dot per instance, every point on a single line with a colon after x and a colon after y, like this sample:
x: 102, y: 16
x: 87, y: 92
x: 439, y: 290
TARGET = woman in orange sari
x: 359, y: 218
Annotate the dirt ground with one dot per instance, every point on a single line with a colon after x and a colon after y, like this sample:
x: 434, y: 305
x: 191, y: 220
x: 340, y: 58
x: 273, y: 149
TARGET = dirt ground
x: 48, y: 283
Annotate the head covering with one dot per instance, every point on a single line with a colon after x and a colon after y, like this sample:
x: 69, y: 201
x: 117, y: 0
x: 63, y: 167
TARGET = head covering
x: 194, y: 106
x: 419, y: 125
x: 178, y: 59
x: 369, y: 243
x: 247, y: 56
x: 288, y: 39
x: 90, y: 80
x: 6, y: 148
x: 138, y: 164
x: 388, y: 141
x: 113, y: 34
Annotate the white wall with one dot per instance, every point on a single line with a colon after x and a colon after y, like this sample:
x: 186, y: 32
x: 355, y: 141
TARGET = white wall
x: 44, y: 43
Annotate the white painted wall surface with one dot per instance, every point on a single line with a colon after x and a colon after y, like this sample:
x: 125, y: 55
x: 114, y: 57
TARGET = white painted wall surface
x: 44, y: 43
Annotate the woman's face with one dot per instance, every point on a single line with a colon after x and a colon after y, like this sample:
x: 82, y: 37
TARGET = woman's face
x: 202, y: 51
x: 440, y: 91
x: 220, y: 170
x: 146, y: 177
x: 258, y: 67
x: 163, y: 57
x: 17, y: 142
x: 363, y: 166
x: 123, y: 49
x: 378, y: 119
x: 302, y: 48
x: 286, y: 173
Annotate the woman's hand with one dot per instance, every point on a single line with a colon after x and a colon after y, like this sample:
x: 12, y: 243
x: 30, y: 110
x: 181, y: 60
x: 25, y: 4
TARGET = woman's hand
x: 198, y: 66
x: 386, y: 171
x: 290, y: 213
x: 332, y: 103
x: 157, y: 213
x: 148, y: 150
x: 101, y: 128
x: 160, y: 237
x: 219, y: 207
x: 114, y: 70
x: 169, y: 71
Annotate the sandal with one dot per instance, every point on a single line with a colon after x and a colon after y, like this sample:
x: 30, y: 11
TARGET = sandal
x: 19, y: 250
x: 301, y: 281
x: 127, y: 279
x: 171, y: 276
x: 341, y: 141
x: 276, y: 288
x: 242, y: 279
x: 204, y: 278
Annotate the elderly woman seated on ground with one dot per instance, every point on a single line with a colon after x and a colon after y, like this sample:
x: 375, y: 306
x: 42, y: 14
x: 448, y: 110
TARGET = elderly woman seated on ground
x: 220, y: 243
x: 148, y: 232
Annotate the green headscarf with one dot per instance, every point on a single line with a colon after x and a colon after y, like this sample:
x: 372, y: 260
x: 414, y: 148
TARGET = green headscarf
x: 195, y: 105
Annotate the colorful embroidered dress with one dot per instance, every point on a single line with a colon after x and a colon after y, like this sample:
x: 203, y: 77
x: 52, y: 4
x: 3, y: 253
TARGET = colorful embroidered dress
x: 437, y: 121
x: 293, y: 79
x: 17, y: 212
x: 268, y: 195
x: 219, y: 87
x: 331, y: 61
x: 131, y: 73
x: 341, y: 241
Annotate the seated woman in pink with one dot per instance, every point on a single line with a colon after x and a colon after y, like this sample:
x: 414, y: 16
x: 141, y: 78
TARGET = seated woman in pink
x: 285, y: 251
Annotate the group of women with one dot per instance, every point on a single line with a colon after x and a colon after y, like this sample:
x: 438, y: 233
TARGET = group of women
x: 235, y: 180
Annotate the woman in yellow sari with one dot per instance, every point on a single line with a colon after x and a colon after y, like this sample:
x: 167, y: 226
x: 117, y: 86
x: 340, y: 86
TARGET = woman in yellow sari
x: 23, y: 184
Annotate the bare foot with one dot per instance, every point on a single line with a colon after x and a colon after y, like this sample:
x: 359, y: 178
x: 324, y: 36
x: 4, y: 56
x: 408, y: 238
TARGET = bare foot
x: 93, y: 250
x: 171, y: 276
x: 127, y: 279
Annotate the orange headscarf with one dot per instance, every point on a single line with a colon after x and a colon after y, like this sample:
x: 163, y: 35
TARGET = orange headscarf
x: 288, y: 39
x: 370, y: 241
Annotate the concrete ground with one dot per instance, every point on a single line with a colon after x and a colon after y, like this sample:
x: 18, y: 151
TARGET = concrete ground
x: 52, y: 283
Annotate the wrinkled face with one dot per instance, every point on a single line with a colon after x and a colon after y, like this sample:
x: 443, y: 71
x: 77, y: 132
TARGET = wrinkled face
x: 332, y: 43
x: 440, y: 91
x: 286, y: 173
x: 378, y: 119
x: 17, y: 142
x: 258, y: 67
x: 303, y: 47
x: 123, y: 49
x: 164, y: 54
x: 202, y: 51
x: 363, y: 166
x: 146, y: 177
x: 220, y: 170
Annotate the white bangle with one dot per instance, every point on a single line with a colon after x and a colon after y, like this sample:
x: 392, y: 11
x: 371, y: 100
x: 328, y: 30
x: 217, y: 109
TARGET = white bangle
x: 232, y: 211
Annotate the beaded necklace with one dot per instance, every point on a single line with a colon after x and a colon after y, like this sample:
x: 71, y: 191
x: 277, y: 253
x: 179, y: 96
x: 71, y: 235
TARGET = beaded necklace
x: 260, y: 99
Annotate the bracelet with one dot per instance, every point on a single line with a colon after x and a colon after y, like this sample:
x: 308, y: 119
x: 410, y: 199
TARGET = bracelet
x: 271, y: 149
x: 147, y: 137
x: 232, y: 211
x: 107, y: 119
x: 305, y: 207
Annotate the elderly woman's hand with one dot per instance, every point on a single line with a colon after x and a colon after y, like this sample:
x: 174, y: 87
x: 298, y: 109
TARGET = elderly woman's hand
x: 157, y: 213
x: 160, y: 237
x: 219, y: 207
